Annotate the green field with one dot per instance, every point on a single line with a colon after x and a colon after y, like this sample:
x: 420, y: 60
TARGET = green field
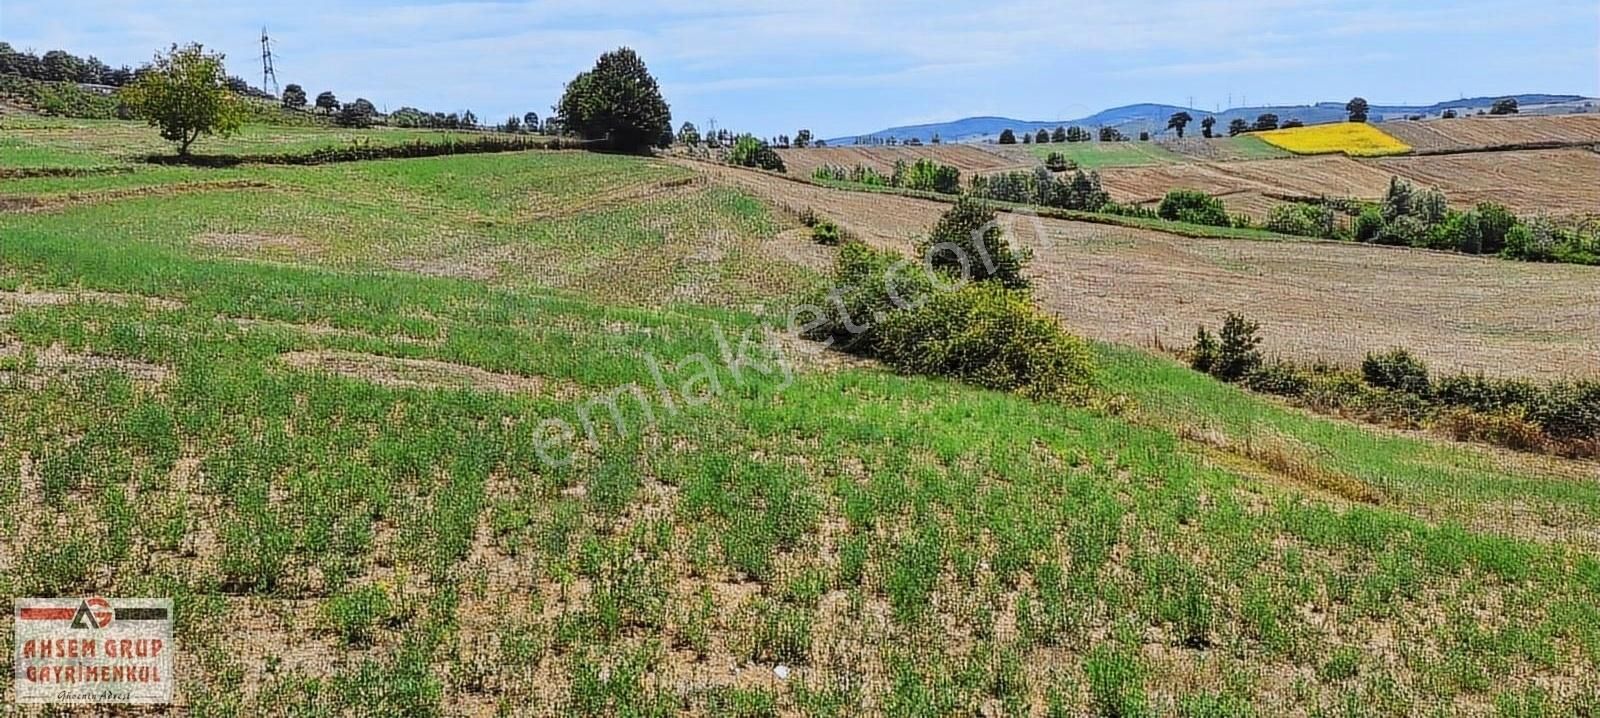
x: 1097, y: 155
x: 312, y: 406
x: 27, y: 141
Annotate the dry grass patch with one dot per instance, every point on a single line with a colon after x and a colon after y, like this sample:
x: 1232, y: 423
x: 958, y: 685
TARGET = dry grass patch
x: 34, y: 368
x: 423, y: 373
x: 249, y: 242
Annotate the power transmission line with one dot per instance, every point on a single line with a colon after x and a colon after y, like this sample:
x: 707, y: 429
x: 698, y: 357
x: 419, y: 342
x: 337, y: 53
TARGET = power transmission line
x: 269, y: 76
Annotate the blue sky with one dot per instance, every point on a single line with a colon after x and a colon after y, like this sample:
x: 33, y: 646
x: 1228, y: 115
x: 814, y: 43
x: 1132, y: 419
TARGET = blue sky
x: 842, y: 68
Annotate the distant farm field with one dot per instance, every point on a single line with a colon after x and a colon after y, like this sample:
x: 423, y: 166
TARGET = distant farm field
x: 45, y: 142
x: 1315, y: 300
x: 1467, y: 133
x: 1096, y: 155
x: 1221, y: 149
x: 970, y: 159
x: 1356, y: 139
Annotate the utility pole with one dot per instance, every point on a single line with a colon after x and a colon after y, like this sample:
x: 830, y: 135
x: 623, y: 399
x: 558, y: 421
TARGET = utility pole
x: 269, y: 76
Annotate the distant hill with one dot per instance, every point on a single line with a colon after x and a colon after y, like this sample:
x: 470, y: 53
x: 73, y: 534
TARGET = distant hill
x: 1151, y: 117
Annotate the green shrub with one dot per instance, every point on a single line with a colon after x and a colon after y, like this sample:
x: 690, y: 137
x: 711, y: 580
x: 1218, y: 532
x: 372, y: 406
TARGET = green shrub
x: 1302, y: 219
x: 826, y: 233
x: 1367, y: 225
x: 1203, y: 355
x: 968, y: 242
x: 1396, y: 370
x: 1194, y: 207
x: 993, y: 337
x: 357, y: 612
x: 1403, y: 231
x: 1569, y: 411
x: 1485, y: 395
x: 1459, y: 232
x: 929, y: 176
x: 1058, y: 162
x: 1511, y: 430
x: 751, y: 152
x: 867, y: 290
x: 1279, y: 379
x: 1494, y: 221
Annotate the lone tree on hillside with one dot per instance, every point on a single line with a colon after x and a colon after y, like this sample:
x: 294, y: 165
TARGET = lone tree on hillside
x: 618, y: 102
x: 1178, y: 121
x: 1506, y: 106
x: 530, y: 121
x: 1206, y: 125
x: 327, y: 102
x: 1357, y: 107
x: 1267, y: 121
x: 1042, y: 137
x: 802, y: 139
x: 294, y: 96
x: 185, y: 93
x: 1007, y: 137
x: 689, y: 134
x: 1238, y: 127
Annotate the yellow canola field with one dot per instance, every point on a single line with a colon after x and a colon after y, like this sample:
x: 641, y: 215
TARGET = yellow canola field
x: 1356, y: 139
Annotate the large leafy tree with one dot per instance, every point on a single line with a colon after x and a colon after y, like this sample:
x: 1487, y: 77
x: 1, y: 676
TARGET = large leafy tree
x: 327, y: 101
x: 1357, y: 107
x: 1007, y: 137
x: 294, y: 96
x: 1238, y: 127
x: 1178, y: 121
x: 617, y: 102
x: 185, y: 93
x: 1206, y: 125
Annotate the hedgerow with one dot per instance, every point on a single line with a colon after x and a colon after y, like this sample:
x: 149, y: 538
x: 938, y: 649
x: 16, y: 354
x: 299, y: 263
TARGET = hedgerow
x: 1394, y: 388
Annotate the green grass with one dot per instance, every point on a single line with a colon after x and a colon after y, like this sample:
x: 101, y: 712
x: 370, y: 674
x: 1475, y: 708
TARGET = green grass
x: 900, y: 545
x: 47, y: 142
x: 1099, y: 155
x: 1250, y: 148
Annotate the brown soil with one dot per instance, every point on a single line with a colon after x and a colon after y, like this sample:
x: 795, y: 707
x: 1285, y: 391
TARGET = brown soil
x: 423, y: 373
x: 37, y: 203
x: 1466, y: 133
x: 10, y: 300
x: 615, y: 197
x: 57, y: 362
x: 1314, y: 300
x: 251, y: 242
x: 1561, y: 181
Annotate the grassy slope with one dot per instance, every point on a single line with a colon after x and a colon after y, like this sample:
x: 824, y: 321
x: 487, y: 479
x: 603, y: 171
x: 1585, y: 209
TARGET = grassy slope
x: 904, y: 544
x: 1097, y: 155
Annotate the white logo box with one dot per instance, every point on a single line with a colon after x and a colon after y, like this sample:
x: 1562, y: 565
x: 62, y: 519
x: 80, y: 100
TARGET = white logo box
x: 93, y: 650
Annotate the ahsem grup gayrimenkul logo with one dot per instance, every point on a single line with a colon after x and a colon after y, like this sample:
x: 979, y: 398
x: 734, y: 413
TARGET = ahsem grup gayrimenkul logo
x: 93, y: 650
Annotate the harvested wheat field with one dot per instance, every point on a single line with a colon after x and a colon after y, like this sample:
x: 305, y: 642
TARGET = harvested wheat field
x: 1327, y: 176
x: 1528, y: 181
x: 1468, y: 133
x: 967, y: 158
x: 1560, y: 182
x: 1315, y: 300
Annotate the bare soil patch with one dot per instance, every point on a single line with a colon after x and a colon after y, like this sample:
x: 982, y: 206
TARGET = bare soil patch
x: 424, y: 373
x: 616, y: 197
x: 39, y: 203
x: 254, y: 242
x: 1315, y: 300
x: 41, y: 298
x: 55, y: 361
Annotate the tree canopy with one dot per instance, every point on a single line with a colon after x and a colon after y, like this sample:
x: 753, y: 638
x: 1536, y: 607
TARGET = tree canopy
x: 185, y: 93
x: 1357, y: 107
x: 1178, y: 121
x: 618, y: 102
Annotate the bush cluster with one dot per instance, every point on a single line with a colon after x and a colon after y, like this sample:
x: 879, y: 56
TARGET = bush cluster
x: 1081, y: 191
x: 751, y: 152
x: 924, y: 175
x: 1394, y: 387
x: 1194, y: 207
x: 1422, y: 218
x: 985, y: 331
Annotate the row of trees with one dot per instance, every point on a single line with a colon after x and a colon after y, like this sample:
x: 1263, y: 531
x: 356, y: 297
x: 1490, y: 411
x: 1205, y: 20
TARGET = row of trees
x: 63, y: 66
